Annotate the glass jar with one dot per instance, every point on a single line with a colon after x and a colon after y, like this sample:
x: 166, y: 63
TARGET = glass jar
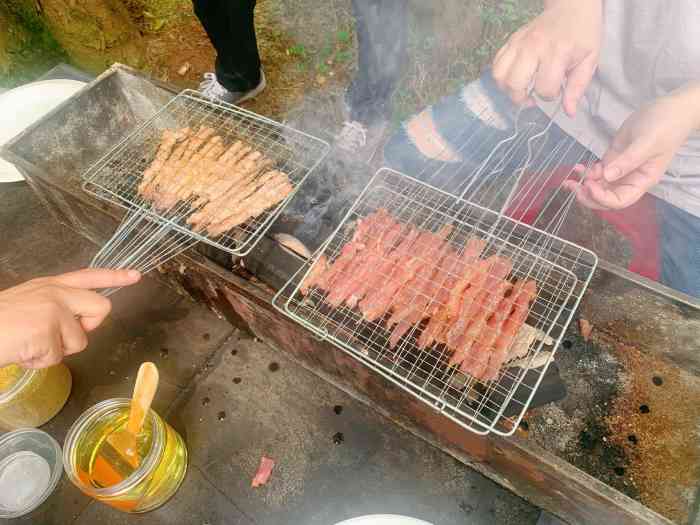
x: 101, y: 473
x: 30, y: 398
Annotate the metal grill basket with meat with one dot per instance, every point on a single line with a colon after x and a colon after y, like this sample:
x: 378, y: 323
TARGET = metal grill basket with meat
x: 440, y: 296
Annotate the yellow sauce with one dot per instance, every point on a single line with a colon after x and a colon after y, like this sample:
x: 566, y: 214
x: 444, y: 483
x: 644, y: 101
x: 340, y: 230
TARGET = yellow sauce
x: 33, y: 397
x: 9, y: 375
x: 100, y: 466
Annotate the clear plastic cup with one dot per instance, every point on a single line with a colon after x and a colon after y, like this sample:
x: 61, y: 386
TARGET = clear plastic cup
x: 30, y: 398
x: 30, y: 468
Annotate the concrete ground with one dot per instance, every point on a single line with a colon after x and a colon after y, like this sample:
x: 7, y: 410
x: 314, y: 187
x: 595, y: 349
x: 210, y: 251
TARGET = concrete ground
x: 234, y: 399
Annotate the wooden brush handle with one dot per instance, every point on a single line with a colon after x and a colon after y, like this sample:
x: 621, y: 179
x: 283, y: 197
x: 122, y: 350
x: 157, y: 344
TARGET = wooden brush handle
x: 144, y: 392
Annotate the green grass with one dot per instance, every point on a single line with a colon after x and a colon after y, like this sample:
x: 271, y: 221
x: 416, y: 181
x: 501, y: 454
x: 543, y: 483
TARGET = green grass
x: 32, y: 49
x: 437, y: 69
x: 500, y: 19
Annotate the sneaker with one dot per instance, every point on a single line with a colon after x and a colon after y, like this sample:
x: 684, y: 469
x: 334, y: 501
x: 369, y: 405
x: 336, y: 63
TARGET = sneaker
x: 211, y: 89
x: 359, y: 140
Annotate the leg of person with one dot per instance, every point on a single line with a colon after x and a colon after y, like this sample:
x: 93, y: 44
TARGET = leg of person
x: 382, y: 29
x: 230, y: 26
x: 447, y: 143
x: 680, y: 249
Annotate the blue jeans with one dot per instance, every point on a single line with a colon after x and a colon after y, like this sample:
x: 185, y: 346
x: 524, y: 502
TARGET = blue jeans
x: 437, y: 155
x: 680, y: 248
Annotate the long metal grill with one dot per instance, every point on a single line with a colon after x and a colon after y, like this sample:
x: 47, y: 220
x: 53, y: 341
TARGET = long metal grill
x: 116, y: 177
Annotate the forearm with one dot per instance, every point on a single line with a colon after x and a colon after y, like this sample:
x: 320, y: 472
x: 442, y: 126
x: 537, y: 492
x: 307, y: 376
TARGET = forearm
x: 688, y: 102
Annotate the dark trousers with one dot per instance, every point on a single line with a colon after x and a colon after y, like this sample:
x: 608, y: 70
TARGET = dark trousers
x: 230, y: 25
x: 382, y: 28
x: 382, y: 31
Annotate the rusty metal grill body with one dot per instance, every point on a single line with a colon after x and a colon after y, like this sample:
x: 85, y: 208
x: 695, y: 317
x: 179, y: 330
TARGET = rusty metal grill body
x: 561, y: 271
x: 116, y: 177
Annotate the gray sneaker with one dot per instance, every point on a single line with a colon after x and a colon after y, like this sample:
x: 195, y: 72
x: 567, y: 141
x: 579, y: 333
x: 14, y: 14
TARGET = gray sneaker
x: 210, y: 88
x: 361, y: 141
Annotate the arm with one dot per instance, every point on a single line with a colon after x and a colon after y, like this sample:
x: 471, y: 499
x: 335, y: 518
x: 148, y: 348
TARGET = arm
x: 641, y: 150
x: 558, y: 49
x: 45, y: 319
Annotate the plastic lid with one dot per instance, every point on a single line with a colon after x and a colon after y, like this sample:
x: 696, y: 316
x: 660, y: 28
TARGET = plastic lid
x: 30, y: 468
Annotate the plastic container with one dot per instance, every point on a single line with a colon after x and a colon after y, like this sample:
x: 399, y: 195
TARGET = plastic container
x: 96, y: 469
x: 30, y: 468
x: 30, y: 398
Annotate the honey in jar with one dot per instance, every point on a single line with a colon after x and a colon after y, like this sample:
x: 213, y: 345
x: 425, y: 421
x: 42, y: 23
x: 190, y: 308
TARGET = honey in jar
x: 30, y: 398
x: 102, y: 473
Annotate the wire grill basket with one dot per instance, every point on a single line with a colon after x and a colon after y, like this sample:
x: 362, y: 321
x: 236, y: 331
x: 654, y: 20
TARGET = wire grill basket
x: 560, y: 270
x: 117, y: 175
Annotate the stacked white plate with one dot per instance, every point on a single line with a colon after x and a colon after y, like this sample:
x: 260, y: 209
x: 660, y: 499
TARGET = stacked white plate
x: 22, y: 106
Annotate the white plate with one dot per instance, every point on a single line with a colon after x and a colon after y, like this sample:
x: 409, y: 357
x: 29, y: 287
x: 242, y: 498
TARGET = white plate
x: 22, y: 106
x: 383, y: 519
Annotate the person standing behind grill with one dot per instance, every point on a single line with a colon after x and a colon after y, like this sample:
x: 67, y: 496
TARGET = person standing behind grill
x: 382, y: 42
x: 382, y: 29
x: 628, y: 77
x: 230, y: 25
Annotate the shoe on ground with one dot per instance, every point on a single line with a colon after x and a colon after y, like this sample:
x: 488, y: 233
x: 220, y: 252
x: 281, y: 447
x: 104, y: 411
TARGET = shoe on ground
x: 359, y: 140
x: 213, y: 90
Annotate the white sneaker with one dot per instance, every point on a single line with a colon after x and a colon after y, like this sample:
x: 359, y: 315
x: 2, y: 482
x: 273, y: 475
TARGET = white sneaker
x: 213, y: 90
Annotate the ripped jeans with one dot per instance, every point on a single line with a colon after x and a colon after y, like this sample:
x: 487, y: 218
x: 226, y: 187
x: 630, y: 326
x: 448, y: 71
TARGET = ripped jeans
x: 429, y: 146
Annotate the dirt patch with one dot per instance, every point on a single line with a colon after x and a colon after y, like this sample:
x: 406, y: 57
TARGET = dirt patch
x: 655, y: 421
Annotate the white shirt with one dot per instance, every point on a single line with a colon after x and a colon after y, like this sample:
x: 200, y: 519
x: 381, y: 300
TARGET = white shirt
x: 650, y: 48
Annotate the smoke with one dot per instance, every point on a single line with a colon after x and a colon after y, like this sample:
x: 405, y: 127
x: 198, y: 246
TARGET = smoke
x: 325, y: 197
x: 408, y: 54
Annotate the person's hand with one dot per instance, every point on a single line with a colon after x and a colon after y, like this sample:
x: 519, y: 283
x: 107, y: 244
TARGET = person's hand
x: 640, y: 152
x: 558, y: 49
x: 45, y: 319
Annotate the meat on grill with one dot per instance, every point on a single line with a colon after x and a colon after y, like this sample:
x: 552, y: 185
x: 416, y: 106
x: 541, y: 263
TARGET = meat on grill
x: 219, y: 186
x: 416, y: 282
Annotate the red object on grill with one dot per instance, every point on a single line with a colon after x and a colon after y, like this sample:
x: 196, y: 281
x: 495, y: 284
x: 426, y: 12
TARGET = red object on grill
x: 637, y: 223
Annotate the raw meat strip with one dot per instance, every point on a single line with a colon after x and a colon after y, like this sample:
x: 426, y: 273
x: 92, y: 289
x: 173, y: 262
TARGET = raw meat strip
x: 378, y: 303
x: 363, y: 229
x: 415, y: 295
x: 477, y: 276
x: 393, y: 259
x: 315, y: 276
x: 523, y: 294
x: 493, y: 289
x: 446, y: 310
x: 418, y: 298
x: 263, y: 473
x: 485, y: 328
x: 366, y: 231
x: 350, y: 286
x: 472, y: 252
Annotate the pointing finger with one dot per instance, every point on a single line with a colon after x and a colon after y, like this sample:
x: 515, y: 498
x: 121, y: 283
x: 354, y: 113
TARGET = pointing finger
x: 95, y: 278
